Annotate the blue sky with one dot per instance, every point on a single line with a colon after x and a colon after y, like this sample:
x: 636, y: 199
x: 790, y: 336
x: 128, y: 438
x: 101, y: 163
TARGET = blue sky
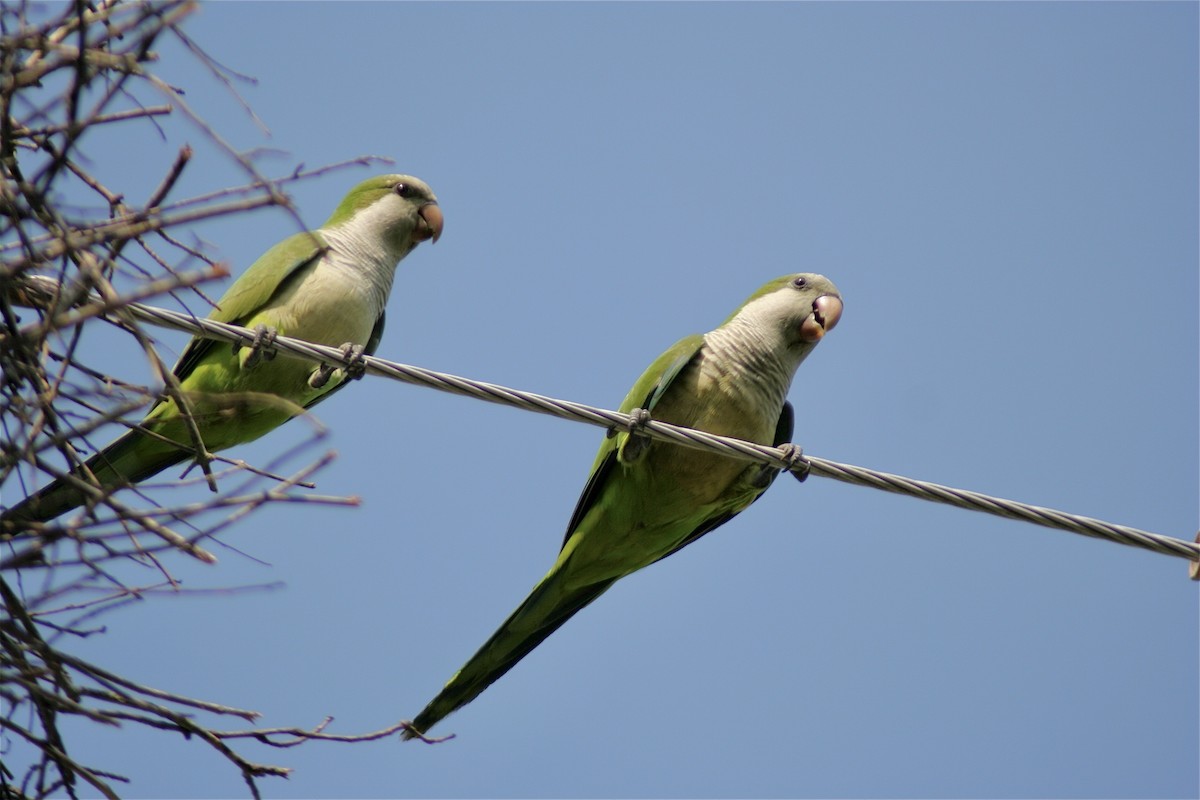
x: 1006, y: 195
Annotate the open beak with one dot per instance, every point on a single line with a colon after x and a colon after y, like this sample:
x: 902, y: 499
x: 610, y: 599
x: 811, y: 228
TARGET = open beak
x: 827, y: 310
x: 430, y: 224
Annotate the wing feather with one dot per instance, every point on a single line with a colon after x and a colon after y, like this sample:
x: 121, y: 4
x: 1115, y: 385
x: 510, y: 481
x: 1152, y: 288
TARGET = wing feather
x: 253, y: 290
x: 646, y: 393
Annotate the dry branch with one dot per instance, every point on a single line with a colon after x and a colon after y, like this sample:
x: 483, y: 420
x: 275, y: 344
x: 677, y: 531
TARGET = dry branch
x: 63, y: 71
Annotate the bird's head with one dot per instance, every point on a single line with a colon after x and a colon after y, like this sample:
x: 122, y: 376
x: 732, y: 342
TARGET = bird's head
x: 399, y: 208
x: 796, y: 310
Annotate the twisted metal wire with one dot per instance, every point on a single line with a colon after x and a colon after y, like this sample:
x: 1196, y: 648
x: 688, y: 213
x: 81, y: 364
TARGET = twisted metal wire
x: 687, y: 437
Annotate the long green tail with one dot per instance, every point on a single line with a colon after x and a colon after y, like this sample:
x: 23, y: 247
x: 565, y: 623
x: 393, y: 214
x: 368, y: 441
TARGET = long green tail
x: 224, y: 419
x: 535, y: 619
x: 131, y: 458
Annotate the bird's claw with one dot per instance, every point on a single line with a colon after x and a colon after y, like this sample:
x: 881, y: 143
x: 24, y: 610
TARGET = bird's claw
x: 797, y: 464
x: 638, y: 419
x: 353, y: 368
x: 637, y: 442
x: 320, y: 376
x: 764, y: 474
x: 262, y: 346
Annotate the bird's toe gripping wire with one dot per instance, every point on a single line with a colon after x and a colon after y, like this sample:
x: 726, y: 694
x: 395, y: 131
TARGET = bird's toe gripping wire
x: 262, y: 346
x: 763, y: 475
x: 797, y: 464
x: 354, y: 366
x: 638, y: 418
x: 637, y: 442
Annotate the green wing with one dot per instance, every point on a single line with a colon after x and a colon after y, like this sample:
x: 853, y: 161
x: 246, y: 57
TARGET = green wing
x: 645, y: 393
x: 267, y: 276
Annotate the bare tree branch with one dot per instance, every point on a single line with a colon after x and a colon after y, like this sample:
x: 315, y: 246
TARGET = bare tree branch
x: 65, y: 70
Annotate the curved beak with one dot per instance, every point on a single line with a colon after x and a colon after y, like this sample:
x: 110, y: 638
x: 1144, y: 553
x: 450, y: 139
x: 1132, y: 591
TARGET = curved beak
x: 827, y: 310
x: 430, y: 224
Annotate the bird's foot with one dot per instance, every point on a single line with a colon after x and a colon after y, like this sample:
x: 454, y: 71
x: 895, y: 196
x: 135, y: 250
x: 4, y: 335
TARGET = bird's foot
x: 637, y: 442
x: 262, y: 346
x: 320, y: 376
x: 798, y: 465
x: 763, y: 475
x: 639, y: 418
x: 353, y: 368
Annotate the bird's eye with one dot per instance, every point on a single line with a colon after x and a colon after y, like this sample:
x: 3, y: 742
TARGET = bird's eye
x: 799, y: 282
x: 404, y: 190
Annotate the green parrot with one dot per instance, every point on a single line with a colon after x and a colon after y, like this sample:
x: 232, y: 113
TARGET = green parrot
x: 644, y: 499
x: 328, y: 286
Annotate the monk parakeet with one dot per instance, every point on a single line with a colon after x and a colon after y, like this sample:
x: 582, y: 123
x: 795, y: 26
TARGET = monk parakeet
x: 329, y: 286
x: 644, y: 499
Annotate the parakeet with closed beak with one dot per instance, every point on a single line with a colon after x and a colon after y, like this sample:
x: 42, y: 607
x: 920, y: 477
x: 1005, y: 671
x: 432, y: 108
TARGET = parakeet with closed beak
x: 328, y: 286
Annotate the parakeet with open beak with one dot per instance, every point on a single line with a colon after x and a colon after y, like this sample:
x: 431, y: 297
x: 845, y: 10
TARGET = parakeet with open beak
x: 328, y: 286
x: 645, y: 499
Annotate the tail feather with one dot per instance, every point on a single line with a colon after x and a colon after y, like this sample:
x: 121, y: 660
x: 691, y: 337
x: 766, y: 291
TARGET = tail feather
x: 527, y: 627
x: 130, y: 459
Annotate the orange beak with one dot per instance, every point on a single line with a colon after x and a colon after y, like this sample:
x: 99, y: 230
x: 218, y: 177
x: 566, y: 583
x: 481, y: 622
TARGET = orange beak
x: 827, y: 310
x: 430, y: 226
